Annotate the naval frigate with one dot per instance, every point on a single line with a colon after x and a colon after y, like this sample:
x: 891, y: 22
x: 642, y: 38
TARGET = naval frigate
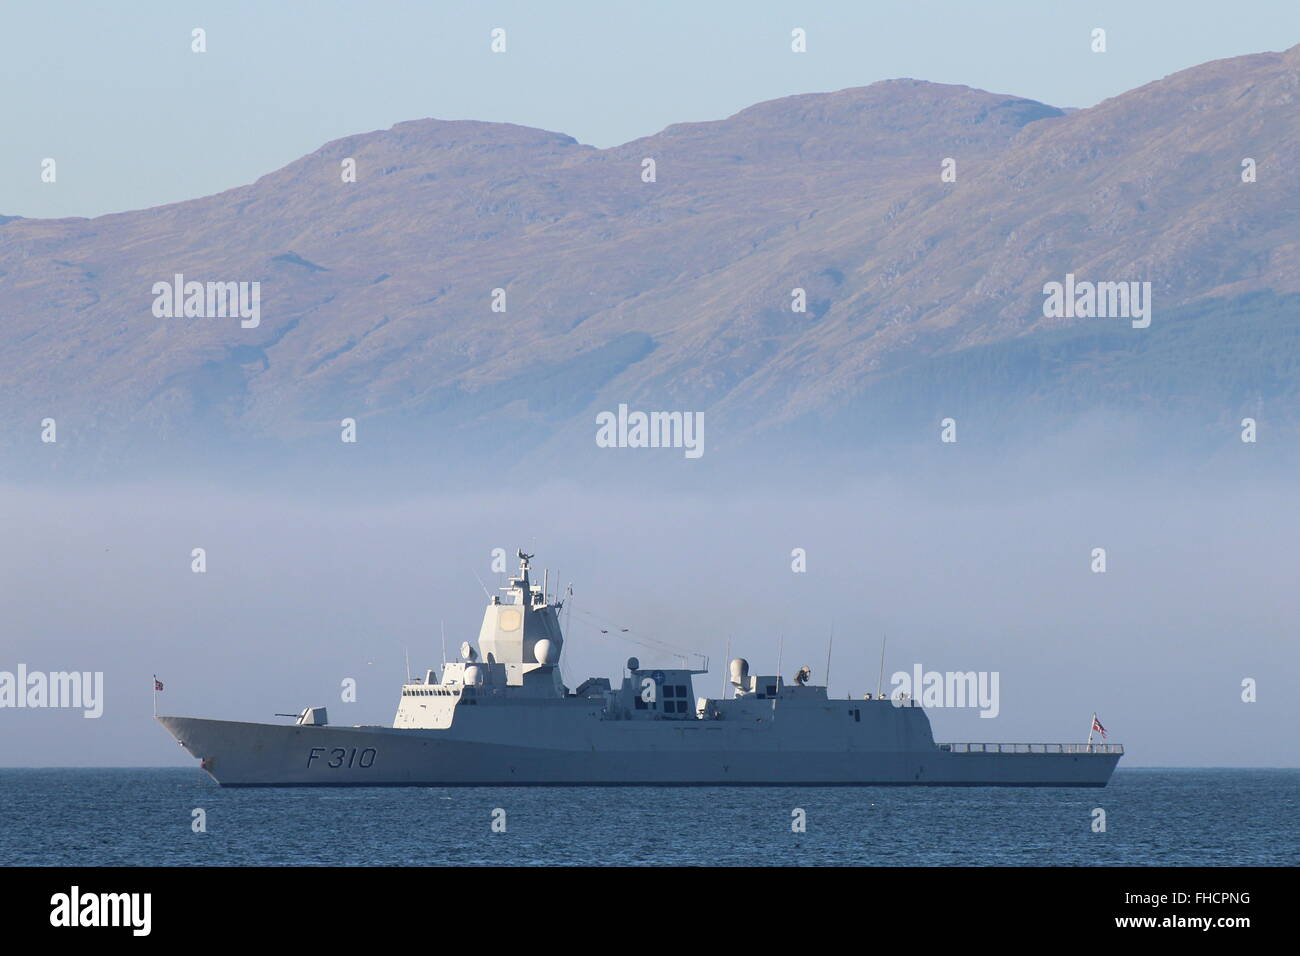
x: 502, y: 716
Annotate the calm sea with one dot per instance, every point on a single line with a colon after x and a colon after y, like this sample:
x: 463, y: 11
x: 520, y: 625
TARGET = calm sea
x: 143, y: 816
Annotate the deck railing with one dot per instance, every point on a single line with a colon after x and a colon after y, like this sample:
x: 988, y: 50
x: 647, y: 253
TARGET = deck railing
x: 1033, y: 748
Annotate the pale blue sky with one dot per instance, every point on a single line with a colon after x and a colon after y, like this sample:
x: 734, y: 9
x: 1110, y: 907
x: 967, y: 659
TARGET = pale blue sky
x: 133, y: 118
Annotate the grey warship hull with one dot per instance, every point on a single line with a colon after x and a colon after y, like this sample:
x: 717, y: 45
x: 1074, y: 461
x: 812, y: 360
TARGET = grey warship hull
x: 502, y: 716
x: 239, y: 754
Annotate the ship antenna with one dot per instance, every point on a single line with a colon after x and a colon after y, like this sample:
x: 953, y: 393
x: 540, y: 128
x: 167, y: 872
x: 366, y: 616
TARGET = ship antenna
x: 726, y: 667
x: 442, y: 626
x: 881, y: 678
x: 408, y: 665
x: 483, y: 586
x: 568, y: 618
x: 829, y: 644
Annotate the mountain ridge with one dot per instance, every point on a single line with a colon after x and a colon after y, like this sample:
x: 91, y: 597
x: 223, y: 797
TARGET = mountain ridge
x: 676, y: 293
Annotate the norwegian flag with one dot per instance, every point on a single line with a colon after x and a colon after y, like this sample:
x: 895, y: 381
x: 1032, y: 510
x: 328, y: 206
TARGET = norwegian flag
x: 157, y: 684
x: 1096, y: 725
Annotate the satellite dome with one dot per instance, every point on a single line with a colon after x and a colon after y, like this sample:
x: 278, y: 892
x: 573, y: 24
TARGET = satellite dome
x: 473, y: 676
x: 739, y: 671
x: 546, y: 652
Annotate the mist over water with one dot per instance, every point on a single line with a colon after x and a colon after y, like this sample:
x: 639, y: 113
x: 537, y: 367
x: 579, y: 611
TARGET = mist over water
x: 978, y: 570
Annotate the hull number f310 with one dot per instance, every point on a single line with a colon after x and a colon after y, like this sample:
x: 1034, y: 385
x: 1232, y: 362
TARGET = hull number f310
x: 339, y: 757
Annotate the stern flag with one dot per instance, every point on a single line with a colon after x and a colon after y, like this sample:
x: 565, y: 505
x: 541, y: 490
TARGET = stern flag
x: 1096, y: 725
x: 157, y: 684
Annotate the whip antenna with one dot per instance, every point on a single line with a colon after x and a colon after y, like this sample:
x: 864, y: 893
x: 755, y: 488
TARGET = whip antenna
x: 881, y: 678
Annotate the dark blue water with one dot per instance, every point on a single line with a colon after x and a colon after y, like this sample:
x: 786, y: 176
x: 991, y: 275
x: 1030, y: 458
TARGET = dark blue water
x: 143, y: 816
